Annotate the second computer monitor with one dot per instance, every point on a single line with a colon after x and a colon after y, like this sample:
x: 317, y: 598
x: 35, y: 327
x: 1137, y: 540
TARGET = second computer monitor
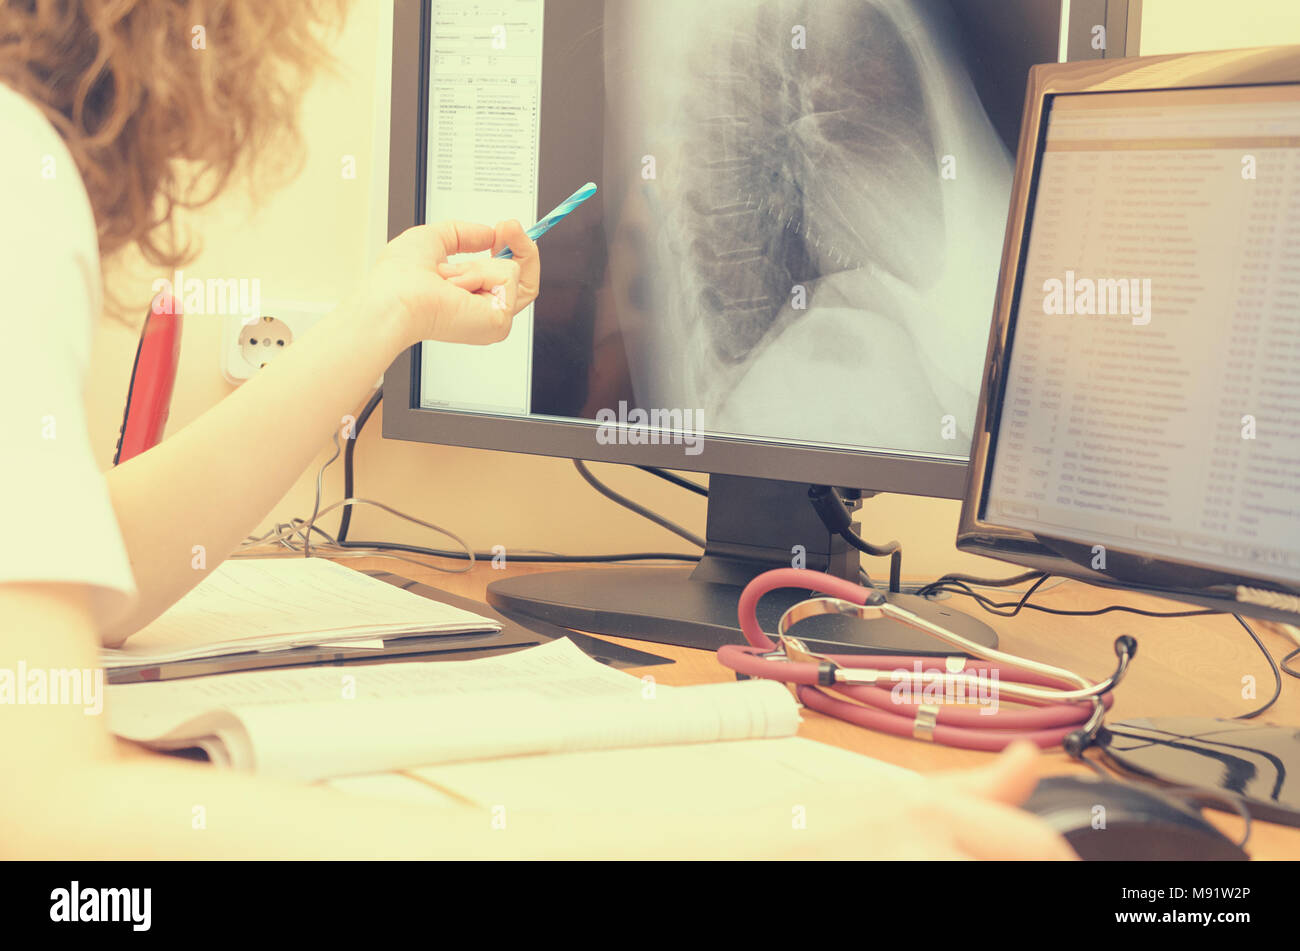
x: 1141, y: 423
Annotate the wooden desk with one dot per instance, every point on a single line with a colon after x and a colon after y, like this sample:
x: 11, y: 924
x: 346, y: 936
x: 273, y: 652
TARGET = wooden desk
x: 1189, y: 666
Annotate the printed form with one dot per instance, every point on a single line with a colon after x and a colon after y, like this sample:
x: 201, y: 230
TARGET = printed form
x: 485, y: 82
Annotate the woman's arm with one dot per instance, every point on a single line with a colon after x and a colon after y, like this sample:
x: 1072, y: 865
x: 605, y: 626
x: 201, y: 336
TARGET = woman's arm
x: 210, y: 484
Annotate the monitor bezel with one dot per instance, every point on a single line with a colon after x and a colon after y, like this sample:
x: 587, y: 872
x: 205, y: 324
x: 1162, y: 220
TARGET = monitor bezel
x: 1220, y: 68
x: 405, y: 419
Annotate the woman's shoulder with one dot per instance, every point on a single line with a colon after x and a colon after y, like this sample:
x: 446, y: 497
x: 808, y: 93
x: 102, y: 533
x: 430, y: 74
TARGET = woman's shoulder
x: 23, y: 120
x: 36, y: 168
x: 47, y: 220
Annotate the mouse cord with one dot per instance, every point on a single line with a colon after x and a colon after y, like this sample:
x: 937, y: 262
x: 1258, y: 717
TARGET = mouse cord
x: 1012, y: 608
x: 1000, y: 608
x: 1277, y: 674
x: 1191, y: 794
x: 1286, y: 661
x: 1208, y: 794
x: 1079, y: 757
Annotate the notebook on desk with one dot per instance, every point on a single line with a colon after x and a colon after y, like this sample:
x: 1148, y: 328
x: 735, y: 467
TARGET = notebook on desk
x: 311, y: 724
x: 250, y: 609
x: 216, y: 652
x: 271, y: 604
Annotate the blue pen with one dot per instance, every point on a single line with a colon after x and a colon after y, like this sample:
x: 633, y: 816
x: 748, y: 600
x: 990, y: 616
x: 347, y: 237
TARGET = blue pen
x: 565, y: 209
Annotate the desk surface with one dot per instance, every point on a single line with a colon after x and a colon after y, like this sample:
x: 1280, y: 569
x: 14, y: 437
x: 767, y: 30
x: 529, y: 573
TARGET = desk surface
x: 1188, y: 666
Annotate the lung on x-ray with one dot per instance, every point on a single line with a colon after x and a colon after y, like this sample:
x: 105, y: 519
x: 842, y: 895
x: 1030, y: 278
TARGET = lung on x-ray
x: 801, y: 218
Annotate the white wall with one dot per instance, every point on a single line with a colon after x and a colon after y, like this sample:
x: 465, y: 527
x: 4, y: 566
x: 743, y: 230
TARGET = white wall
x: 1184, y: 26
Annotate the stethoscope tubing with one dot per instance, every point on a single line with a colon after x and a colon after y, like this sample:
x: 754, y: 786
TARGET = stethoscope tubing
x: 1061, y: 703
x: 944, y: 732
x: 748, y: 662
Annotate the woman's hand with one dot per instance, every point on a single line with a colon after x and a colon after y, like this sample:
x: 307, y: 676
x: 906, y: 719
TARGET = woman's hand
x: 970, y: 814
x: 470, y: 302
x: 903, y: 815
x: 982, y: 819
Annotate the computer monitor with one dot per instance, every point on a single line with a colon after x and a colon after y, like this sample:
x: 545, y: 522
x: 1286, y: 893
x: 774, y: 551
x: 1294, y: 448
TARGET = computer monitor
x: 1140, y: 418
x: 785, y: 279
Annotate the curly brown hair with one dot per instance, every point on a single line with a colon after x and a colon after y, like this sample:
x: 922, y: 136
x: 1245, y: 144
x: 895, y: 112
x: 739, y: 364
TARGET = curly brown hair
x: 139, y: 88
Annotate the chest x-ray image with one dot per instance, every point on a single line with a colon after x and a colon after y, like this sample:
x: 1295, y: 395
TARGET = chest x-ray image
x: 801, y: 218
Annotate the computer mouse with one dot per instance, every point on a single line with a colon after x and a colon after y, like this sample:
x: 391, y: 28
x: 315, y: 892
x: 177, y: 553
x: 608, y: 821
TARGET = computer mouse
x: 1115, y: 821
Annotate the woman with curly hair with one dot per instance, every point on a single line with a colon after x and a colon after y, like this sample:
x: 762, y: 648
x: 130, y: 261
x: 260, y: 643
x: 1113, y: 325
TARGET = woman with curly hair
x: 113, y: 115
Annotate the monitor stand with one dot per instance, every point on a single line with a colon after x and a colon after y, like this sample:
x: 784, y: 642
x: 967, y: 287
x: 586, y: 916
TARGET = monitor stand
x: 754, y: 525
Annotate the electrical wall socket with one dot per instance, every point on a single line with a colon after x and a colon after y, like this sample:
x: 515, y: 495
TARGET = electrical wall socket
x: 250, y: 343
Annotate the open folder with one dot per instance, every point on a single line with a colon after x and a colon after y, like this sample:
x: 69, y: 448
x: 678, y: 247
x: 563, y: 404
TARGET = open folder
x: 277, y: 603
x: 315, y: 723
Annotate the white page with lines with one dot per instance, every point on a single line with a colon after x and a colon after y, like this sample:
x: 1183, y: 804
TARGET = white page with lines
x: 553, y: 698
x: 259, y: 604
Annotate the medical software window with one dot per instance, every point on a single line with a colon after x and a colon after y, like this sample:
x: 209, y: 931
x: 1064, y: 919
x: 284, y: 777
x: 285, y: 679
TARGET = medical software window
x: 484, y: 107
x: 1152, y: 400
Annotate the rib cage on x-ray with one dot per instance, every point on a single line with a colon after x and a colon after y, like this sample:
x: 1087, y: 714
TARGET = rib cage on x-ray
x: 783, y: 165
x: 744, y: 219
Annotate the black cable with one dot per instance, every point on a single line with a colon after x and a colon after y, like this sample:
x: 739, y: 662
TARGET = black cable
x: 345, y: 520
x: 636, y: 507
x: 1277, y: 674
x: 895, y: 558
x: 960, y: 587
x: 991, y: 606
x: 1189, y: 794
x: 980, y: 582
x: 1213, y: 795
x: 1016, y: 607
x: 676, y: 480
x: 1286, y: 660
x: 1099, y: 770
x: 349, y: 491
x: 837, y: 518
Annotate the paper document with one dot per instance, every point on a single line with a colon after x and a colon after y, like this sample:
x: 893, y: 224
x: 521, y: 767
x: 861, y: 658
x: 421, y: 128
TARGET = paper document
x: 276, y: 603
x: 637, y: 781
x: 319, y: 722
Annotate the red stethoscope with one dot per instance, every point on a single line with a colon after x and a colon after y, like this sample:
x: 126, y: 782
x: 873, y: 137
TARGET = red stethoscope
x: 914, y: 696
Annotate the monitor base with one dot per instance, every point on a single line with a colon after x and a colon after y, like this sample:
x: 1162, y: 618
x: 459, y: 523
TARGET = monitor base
x: 667, y: 606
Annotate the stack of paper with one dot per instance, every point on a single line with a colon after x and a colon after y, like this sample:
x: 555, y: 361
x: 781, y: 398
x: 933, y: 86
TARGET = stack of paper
x: 313, y: 723
x: 276, y: 603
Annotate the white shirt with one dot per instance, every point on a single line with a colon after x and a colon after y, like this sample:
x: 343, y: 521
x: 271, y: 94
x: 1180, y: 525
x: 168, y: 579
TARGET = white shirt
x: 56, y: 520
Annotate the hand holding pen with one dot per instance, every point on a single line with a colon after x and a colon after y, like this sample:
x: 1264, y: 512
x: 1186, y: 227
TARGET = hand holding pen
x: 482, y: 275
x: 471, y: 301
x: 557, y: 214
